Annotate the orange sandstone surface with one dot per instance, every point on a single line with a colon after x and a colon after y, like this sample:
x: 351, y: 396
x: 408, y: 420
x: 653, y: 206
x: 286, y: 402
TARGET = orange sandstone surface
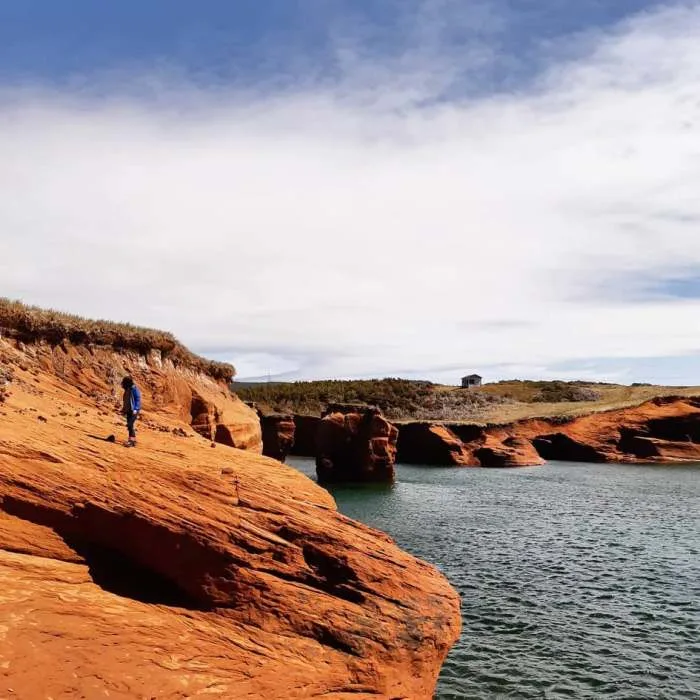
x: 188, y: 567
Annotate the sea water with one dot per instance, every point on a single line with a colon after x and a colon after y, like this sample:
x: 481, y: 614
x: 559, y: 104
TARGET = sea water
x: 576, y: 580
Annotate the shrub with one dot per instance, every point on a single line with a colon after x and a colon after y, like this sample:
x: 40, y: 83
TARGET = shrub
x: 398, y: 399
x: 557, y: 392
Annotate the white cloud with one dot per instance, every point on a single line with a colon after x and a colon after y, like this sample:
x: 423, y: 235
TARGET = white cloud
x: 348, y: 231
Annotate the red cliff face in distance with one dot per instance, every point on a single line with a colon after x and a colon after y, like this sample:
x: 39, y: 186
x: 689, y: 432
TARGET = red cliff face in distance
x: 186, y: 566
x: 662, y: 430
x: 665, y: 429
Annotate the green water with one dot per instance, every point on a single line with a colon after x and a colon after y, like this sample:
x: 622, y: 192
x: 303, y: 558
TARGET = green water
x: 577, y: 580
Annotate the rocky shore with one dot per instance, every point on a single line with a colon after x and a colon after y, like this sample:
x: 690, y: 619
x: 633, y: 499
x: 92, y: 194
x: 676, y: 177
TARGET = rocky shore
x: 662, y: 430
x: 191, y: 564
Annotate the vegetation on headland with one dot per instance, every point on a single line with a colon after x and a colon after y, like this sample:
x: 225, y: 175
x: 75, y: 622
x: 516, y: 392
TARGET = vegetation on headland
x: 546, y: 391
x: 32, y: 324
x: 399, y: 399
x: 501, y: 402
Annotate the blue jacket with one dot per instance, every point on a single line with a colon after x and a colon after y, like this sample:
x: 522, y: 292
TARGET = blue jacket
x: 132, y: 399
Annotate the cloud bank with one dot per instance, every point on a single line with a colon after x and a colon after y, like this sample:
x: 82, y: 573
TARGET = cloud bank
x: 382, y: 223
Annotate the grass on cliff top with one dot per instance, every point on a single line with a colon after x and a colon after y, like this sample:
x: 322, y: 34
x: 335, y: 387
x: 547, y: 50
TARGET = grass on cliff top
x: 537, y: 400
x: 498, y: 403
x: 31, y: 323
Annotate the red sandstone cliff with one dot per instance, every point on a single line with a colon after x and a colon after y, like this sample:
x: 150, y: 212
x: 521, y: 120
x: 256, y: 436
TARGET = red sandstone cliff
x: 661, y: 430
x: 175, y: 570
x: 176, y: 394
x: 464, y: 446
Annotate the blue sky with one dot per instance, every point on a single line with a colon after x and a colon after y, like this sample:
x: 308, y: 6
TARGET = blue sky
x: 327, y: 188
x: 251, y: 40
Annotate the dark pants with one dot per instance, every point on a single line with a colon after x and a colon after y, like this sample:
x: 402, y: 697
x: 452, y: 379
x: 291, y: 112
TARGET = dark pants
x: 130, y: 422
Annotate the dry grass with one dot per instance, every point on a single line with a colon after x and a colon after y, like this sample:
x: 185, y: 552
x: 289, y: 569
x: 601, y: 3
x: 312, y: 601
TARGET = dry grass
x: 31, y: 323
x: 611, y: 397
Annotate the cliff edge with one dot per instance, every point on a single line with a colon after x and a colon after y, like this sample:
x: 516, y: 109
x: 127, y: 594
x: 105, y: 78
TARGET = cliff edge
x: 176, y: 569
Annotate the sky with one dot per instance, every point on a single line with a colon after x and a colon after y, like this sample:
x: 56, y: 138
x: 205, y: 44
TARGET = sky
x: 341, y: 189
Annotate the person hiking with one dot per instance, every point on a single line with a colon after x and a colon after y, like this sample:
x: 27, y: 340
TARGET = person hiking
x: 131, y: 408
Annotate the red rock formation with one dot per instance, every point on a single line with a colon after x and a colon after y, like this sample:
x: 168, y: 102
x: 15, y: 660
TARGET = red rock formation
x: 662, y: 430
x: 432, y: 444
x: 355, y: 443
x: 278, y: 435
x: 463, y: 446
x: 179, y: 394
x: 305, y: 429
x: 510, y: 452
x: 173, y: 570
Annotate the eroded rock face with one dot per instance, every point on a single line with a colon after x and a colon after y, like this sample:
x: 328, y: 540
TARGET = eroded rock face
x: 355, y: 443
x: 278, y: 435
x: 223, y: 418
x: 559, y: 446
x: 305, y: 429
x: 174, y: 570
x: 432, y: 444
x: 510, y: 452
x: 176, y: 394
x: 464, y: 446
x: 661, y: 430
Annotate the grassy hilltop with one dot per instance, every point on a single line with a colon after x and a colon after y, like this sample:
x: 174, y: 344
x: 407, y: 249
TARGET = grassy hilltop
x: 501, y: 402
x: 33, y: 324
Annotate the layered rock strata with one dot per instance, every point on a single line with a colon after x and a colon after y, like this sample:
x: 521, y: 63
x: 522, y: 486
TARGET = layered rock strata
x: 665, y: 429
x: 179, y: 394
x: 175, y: 570
x: 463, y: 446
x: 662, y: 430
x: 432, y: 444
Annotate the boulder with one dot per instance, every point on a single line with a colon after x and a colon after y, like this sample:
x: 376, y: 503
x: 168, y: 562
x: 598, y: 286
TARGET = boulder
x: 355, y: 443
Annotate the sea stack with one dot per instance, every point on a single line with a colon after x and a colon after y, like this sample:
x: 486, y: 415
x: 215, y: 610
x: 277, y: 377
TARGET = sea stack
x: 355, y: 444
x: 278, y: 435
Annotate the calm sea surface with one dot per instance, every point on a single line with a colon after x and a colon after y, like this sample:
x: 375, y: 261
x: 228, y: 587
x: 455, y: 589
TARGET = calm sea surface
x: 577, y: 580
